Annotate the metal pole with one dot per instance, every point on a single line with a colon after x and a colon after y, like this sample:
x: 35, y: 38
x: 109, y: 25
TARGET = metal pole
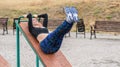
x: 37, y: 61
x: 18, y: 46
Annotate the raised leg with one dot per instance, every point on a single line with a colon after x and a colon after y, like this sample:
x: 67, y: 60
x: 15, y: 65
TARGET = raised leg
x: 53, y: 41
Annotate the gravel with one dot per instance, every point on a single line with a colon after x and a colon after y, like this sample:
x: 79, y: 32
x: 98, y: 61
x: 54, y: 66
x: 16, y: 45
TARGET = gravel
x: 80, y: 52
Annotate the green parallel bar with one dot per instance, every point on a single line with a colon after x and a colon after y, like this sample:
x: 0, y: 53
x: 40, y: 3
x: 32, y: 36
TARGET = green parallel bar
x: 18, y: 28
x: 18, y: 46
x: 37, y: 61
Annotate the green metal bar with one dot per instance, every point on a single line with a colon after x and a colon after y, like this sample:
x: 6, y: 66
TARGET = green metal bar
x: 25, y: 17
x: 18, y: 28
x: 37, y: 61
x: 18, y: 46
x: 29, y: 44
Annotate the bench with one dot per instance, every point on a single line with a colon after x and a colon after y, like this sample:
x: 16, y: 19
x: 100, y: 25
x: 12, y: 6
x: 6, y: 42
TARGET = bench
x: 49, y: 60
x: 53, y: 24
x: 105, y: 26
x: 80, y: 27
x: 3, y: 62
x: 4, y: 21
x: 14, y: 25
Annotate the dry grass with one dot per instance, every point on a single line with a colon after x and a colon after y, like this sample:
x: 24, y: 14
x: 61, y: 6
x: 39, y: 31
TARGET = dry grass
x: 90, y: 10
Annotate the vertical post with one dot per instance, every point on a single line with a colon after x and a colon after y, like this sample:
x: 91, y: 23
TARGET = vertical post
x: 76, y: 30
x: 69, y: 33
x: 84, y: 34
x: 3, y: 29
x: 18, y: 46
x: 37, y: 61
x: 91, y: 32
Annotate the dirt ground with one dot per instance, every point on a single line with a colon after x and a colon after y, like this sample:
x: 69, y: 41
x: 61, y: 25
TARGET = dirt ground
x: 80, y: 52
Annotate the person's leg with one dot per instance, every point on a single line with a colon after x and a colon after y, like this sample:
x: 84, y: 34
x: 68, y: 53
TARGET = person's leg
x: 45, y: 21
x: 52, y: 42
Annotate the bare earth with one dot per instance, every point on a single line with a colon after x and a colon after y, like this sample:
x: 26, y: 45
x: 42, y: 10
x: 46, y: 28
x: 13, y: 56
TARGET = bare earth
x: 101, y: 52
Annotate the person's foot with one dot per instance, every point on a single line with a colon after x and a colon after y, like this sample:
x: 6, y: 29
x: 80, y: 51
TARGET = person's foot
x: 69, y: 16
x: 75, y: 14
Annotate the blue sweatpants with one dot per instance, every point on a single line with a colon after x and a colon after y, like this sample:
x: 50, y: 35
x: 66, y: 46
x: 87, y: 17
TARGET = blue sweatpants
x: 52, y: 42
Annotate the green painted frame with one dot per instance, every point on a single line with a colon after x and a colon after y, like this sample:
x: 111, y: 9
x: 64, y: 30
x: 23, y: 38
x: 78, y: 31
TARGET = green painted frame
x: 18, y: 28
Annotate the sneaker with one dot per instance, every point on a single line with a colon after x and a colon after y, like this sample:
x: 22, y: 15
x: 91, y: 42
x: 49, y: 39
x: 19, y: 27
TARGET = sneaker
x: 69, y: 15
x: 75, y: 14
